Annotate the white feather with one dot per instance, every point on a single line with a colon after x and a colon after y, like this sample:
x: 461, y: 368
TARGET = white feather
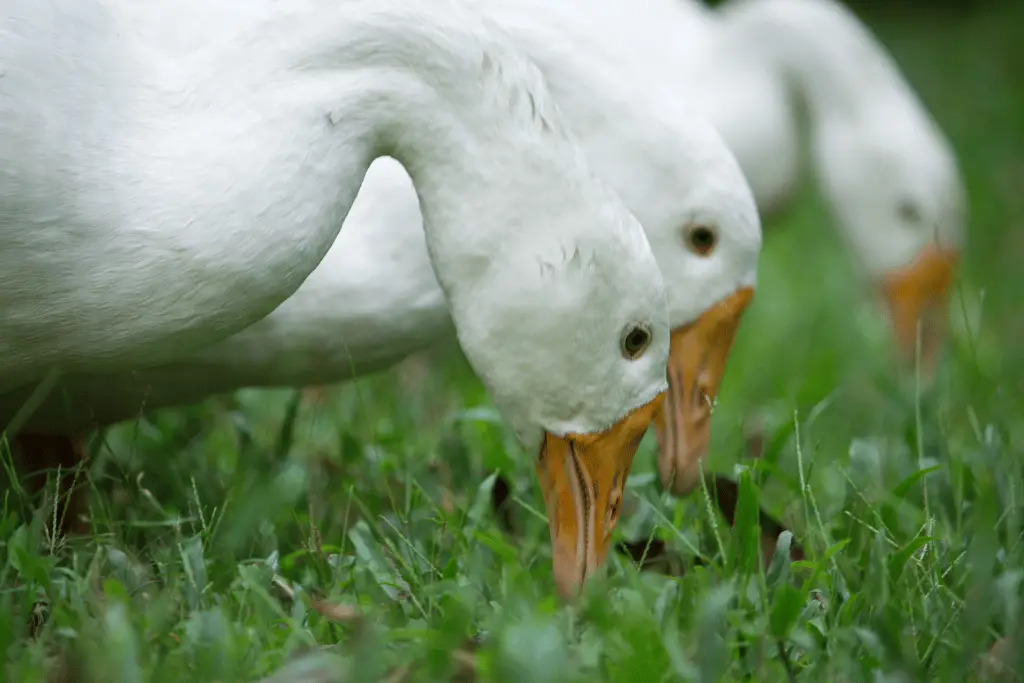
x: 153, y: 205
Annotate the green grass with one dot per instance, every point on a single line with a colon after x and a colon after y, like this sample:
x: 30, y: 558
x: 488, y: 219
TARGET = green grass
x: 230, y: 538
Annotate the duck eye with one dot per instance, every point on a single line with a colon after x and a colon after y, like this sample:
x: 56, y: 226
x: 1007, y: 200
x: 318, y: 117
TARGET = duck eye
x: 701, y: 239
x: 909, y: 212
x: 635, y: 340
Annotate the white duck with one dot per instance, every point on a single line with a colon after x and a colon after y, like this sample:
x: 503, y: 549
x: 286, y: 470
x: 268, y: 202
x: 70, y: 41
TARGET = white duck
x: 150, y: 207
x: 668, y: 164
x: 887, y: 171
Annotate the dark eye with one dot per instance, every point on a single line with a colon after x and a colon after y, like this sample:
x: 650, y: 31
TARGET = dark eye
x: 635, y: 340
x: 909, y: 212
x: 701, y: 239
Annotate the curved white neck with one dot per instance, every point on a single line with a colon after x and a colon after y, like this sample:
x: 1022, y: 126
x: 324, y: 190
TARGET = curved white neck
x: 460, y: 109
x: 875, y: 145
x: 198, y: 195
x: 826, y: 54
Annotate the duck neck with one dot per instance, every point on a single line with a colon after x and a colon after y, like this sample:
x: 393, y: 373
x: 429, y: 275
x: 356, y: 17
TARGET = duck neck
x: 207, y: 188
x: 466, y: 114
x: 829, y: 59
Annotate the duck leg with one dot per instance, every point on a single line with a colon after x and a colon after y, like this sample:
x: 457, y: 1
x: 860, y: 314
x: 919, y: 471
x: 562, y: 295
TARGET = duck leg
x: 37, y: 454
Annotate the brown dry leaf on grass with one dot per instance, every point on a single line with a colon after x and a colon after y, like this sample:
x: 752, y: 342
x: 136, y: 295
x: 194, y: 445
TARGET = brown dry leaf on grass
x: 501, y: 504
x: 727, y: 494
x: 336, y: 612
x: 995, y: 664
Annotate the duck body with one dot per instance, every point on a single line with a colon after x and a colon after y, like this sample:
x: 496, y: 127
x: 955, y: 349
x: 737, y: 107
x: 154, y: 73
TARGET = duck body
x: 127, y: 228
x: 198, y: 192
x: 382, y: 289
x: 190, y: 195
x: 374, y: 298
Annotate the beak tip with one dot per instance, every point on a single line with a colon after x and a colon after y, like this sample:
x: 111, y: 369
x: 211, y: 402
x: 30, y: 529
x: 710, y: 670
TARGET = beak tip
x: 931, y: 351
x: 681, y: 483
x: 680, y: 469
x: 566, y: 592
x: 568, y: 572
x: 566, y: 583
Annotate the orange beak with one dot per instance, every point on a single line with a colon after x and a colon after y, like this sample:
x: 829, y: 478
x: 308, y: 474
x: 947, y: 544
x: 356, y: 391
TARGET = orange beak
x: 696, y: 364
x: 583, y: 477
x: 917, y: 294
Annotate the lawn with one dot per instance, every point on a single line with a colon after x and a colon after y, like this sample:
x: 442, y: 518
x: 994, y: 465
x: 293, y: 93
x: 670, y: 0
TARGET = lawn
x: 352, y: 534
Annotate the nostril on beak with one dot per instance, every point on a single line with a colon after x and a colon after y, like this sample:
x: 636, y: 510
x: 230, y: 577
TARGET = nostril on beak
x: 613, y: 513
x: 703, y: 402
